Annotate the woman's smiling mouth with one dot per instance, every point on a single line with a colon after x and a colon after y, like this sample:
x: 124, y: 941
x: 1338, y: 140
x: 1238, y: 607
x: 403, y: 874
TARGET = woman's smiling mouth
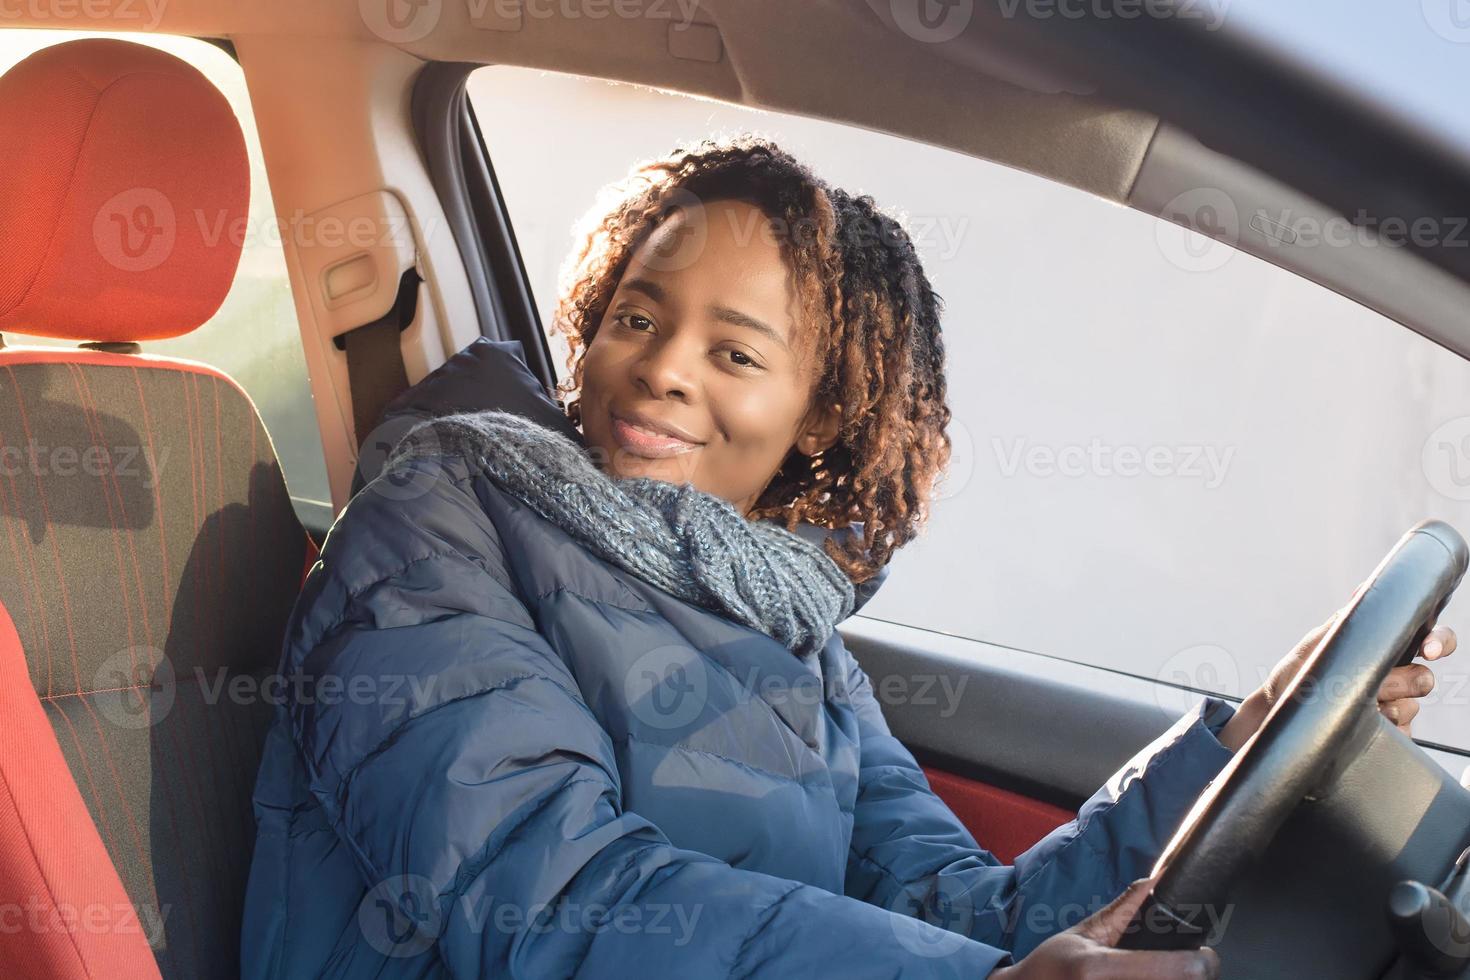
x: 645, y: 440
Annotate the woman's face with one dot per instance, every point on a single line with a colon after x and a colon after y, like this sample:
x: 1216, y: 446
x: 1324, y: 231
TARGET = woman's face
x: 703, y: 340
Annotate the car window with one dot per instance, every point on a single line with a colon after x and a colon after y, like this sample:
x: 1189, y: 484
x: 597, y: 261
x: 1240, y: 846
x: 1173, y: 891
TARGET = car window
x: 254, y: 337
x: 1171, y: 458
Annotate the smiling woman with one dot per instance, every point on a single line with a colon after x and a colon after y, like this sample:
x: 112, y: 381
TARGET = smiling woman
x: 737, y: 325
x: 676, y: 374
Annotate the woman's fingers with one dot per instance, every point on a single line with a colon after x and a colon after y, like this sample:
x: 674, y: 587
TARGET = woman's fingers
x: 1106, y: 928
x: 1439, y: 643
x: 1401, y: 712
x: 1107, y: 925
x: 1410, y: 681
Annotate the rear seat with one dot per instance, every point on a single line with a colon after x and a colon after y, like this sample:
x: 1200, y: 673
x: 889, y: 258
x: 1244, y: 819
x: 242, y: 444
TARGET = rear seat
x: 149, y: 555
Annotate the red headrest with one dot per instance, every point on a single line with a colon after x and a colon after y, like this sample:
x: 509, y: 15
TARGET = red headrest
x: 124, y: 197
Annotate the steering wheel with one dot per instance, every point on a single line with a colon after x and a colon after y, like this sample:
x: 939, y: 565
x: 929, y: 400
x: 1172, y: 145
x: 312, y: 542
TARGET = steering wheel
x: 1322, y: 721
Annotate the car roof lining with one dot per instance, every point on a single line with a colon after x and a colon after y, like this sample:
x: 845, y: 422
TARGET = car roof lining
x: 767, y: 59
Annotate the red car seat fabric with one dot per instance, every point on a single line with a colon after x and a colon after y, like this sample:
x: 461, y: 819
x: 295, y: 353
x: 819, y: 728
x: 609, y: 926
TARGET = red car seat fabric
x: 57, y: 885
x: 149, y: 558
x: 149, y: 551
x: 1005, y: 823
x: 126, y: 190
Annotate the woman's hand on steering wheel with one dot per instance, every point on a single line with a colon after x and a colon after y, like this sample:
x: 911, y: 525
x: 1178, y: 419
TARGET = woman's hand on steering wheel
x: 1087, y: 951
x: 1398, y: 696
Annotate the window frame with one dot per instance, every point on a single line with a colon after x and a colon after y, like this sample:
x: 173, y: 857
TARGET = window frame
x: 463, y: 176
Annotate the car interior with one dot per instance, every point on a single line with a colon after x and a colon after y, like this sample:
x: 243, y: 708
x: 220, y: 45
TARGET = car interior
x: 148, y: 580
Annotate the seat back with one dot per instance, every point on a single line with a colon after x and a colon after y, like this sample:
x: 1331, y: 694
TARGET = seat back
x: 149, y: 553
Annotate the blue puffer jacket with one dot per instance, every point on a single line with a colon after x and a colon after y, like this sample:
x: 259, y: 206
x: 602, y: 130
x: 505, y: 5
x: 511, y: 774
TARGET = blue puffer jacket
x: 500, y: 756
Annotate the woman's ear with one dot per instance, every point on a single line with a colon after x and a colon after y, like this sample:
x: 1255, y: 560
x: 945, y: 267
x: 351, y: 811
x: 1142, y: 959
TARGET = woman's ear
x: 820, y: 430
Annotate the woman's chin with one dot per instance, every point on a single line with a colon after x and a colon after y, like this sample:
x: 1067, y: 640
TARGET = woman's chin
x: 670, y: 469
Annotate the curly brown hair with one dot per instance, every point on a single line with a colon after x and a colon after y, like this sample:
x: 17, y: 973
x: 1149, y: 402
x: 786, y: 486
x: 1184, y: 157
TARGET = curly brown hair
x: 868, y: 304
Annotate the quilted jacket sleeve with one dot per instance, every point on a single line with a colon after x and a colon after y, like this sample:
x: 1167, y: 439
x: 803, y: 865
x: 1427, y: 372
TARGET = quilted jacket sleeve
x: 909, y: 850
x: 482, y: 805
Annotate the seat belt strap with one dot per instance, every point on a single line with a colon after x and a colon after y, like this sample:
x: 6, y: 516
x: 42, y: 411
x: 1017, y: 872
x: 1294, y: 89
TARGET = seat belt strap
x: 375, y: 370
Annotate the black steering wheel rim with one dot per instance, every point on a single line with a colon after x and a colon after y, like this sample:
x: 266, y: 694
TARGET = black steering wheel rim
x: 1323, y: 720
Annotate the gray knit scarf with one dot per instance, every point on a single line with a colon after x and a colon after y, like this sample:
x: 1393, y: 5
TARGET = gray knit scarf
x: 685, y: 541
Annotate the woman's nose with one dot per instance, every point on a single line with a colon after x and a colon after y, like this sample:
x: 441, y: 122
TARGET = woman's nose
x: 666, y: 369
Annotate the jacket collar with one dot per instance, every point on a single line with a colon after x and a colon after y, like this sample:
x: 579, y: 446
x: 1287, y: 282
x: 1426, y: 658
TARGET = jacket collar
x: 817, y: 534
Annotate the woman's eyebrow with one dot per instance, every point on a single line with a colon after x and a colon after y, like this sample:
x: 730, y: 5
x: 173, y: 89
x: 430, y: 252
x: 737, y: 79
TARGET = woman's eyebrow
x: 746, y: 320
x: 648, y: 288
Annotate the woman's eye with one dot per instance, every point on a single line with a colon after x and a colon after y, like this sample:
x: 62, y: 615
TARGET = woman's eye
x: 630, y: 319
x: 742, y: 359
